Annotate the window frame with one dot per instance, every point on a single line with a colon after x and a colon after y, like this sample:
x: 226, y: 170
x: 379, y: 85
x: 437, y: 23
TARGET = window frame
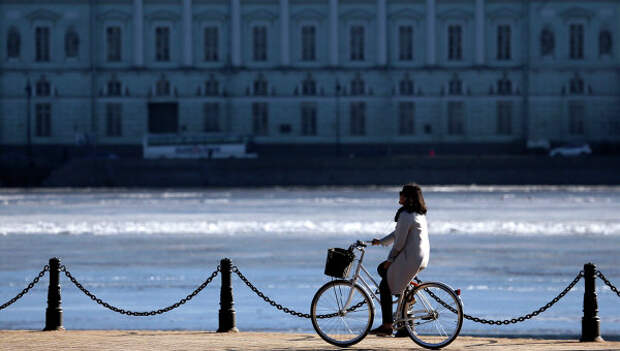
x: 357, y: 55
x: 580, y: 53
x: 256, y: 55
x: 50, y: 45
x: 218, y: 44
x: 108, y: 25
x: 114, y: 119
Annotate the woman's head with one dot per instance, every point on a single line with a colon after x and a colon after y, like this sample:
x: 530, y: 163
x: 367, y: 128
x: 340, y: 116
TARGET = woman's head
x: 412, y: 199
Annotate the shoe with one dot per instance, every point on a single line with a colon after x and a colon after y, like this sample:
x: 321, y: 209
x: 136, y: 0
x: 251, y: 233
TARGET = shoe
x: 382, y: 331
x: 401, y: 333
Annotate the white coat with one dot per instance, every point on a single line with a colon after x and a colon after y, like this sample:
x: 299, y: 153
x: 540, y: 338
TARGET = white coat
x: 410, y: 252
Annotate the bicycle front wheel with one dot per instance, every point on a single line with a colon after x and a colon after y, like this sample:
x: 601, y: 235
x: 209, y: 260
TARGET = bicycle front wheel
x: 342, y: 313
x: 434, y: 316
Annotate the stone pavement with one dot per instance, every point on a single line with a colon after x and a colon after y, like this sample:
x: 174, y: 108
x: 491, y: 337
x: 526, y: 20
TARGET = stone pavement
x: 104, y: 340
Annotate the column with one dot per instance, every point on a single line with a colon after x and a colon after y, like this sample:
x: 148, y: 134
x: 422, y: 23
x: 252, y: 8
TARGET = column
x: 479, y: 32
x: 187, y: 32
x: 284, y: 28
x: 381, y: 34
x: 430, y: 32
x: 138, y: 33
x: 235, y: 32
x: 333, y: 32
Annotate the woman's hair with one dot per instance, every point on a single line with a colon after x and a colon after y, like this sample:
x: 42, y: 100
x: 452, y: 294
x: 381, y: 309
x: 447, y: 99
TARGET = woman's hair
x: 414, y: 200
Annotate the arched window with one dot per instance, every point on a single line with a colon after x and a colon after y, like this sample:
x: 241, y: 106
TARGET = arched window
x: 13, y: 43
x: 576, y: 85
x: 358, y: 87
x: 308, y: 86
x: 212, y: 86
x: 604, y: 42
x: 455, y: 86
x: 260, y: 85
x: 162, y: 88
x: 504, y: 86
x: 43, y: 87
x: 547, y: 42
x: 406, y: 86
x: 72, y: 43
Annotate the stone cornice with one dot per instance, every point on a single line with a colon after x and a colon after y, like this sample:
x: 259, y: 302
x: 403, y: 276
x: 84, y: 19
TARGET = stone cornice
x: 163, y: 15
x: 308, y: 14
x: 211, y: 15
x: 357, y: 14
x: 260, y: 14
x: 406, y: 14
x: 455, y: 14
x: 43, y: 14
x: 115, y: 15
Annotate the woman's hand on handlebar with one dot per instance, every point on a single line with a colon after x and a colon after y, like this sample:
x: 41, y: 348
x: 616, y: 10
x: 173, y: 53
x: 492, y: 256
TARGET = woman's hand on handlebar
x: 376, y: 242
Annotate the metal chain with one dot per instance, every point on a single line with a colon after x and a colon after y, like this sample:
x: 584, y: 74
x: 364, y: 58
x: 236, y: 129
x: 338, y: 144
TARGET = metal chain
x: 132, y: 313
x: 236, y: 270
x: 26, y: 289
x: 607, y: 282
x: 513, y: 320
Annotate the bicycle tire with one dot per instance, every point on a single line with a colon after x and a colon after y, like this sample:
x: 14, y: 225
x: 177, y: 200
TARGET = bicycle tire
x: 433, y: 301
x: 329, y: 300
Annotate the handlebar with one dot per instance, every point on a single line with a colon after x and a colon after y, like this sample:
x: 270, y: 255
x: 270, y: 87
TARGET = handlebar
x: 359, y: 244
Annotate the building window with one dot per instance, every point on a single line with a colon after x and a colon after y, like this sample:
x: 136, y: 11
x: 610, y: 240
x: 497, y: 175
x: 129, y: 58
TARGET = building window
x: 405, y: 43
x: 259, y: 42
x: 13, y: 43
x: 604, y: 43
x: 455, y: 86
x: 308, y: 43
x: 504, y: 118
x: 576, y: 111
x: 72, y: 43
x: 42, y: 44
x: 211, y: 117
x: 405, y: 87
x: 455, y: 48
x: 211, y: 43
x: 503, y: 42
x: 358, y: 86
x: 358, y: 118
x: 162, y: 88
x: 113, y: 41
x: 114, y: 88
x: 308, y: 86
x: 406, y: 125
x: 43, y: 87
x: 576, y: 86
x: 212, y: 86
x: 114, y: 120
x: 308, y: 118
x: 504, y: 86
x: 357, y: 43
x: 43, y: 113
x: 260, y: 118
x: 162, y: 44
x: 456, y: 117
x: 260, y: 85
x: 576, y: 41
x: 547, y: 42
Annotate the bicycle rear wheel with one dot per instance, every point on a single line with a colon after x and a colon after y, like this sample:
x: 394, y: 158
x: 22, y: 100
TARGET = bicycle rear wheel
x: 434, y: 317
x: 336, y: 323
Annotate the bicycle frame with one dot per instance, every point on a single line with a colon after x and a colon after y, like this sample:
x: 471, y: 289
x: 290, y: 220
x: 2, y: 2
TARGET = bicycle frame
x: 358, y: 278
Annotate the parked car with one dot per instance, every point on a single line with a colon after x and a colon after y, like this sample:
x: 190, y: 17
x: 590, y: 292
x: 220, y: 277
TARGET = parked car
x: 571, y: 150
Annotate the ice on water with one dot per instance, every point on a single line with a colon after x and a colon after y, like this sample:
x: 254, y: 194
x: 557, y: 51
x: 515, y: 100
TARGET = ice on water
x: 510, y: 250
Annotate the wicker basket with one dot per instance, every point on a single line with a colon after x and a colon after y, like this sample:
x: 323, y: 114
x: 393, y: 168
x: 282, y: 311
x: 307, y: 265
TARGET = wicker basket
x: 338, y: 262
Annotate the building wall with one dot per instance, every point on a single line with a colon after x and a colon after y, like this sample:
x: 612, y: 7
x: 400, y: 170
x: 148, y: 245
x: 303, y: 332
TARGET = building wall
x: 540, y: 85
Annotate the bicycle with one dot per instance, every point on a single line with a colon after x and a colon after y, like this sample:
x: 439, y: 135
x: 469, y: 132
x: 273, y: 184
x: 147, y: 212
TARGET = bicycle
x: 343, y: 310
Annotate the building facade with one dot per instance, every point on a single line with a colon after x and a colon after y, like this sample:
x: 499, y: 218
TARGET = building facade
x: 311, y: 72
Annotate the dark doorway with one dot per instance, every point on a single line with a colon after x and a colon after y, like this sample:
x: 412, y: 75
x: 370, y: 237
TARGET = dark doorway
x: 163, y: 117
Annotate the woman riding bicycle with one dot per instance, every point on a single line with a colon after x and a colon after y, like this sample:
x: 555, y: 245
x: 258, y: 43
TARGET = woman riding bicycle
x: 409, y: 255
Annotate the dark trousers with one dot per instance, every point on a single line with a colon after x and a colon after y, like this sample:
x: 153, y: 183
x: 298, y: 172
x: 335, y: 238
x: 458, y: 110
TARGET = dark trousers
x: 385, y: 295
